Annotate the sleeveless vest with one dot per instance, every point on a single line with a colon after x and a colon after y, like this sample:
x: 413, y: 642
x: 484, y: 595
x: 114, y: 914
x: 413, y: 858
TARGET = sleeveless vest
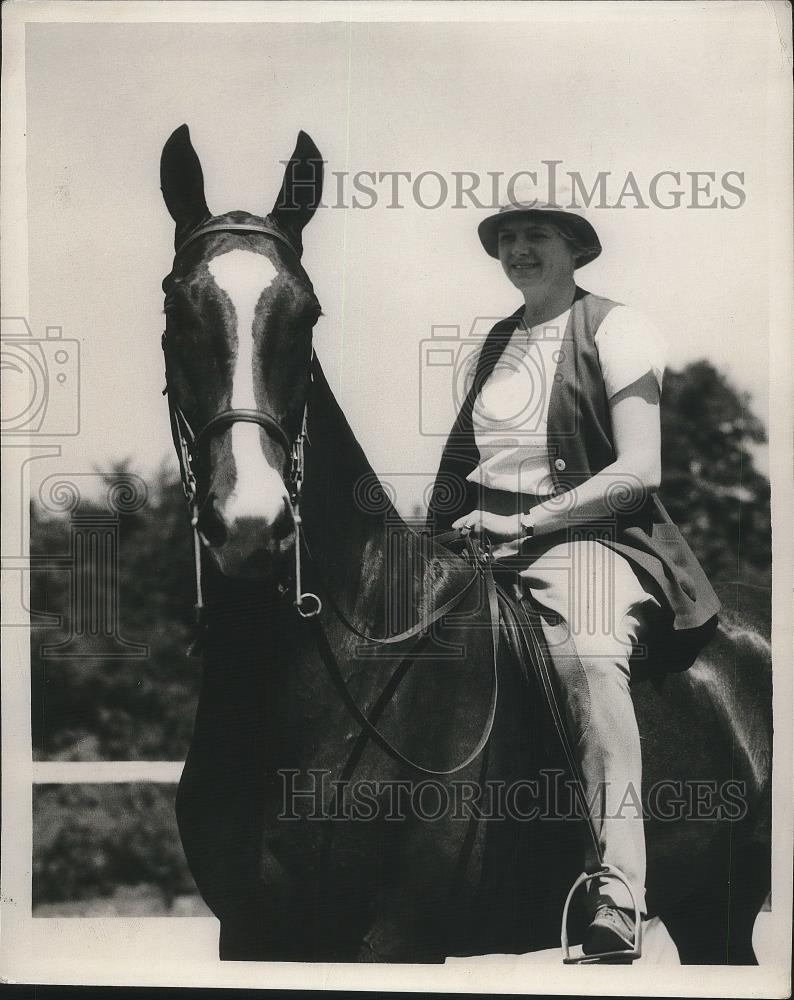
x: 580, y: 445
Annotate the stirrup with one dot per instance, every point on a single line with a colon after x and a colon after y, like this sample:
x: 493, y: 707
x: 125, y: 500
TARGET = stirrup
x: 627, y: 955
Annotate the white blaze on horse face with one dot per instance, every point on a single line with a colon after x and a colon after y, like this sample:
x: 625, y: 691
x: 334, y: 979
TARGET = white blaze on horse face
x: 259, y: 490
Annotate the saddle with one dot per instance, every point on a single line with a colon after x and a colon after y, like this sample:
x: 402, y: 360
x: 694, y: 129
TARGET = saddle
x: 518, y: 619
x: 520, y: 625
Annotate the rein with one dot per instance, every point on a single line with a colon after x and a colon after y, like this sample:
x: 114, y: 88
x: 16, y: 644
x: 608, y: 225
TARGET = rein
x: 482, y: 571
x: 188, y: 445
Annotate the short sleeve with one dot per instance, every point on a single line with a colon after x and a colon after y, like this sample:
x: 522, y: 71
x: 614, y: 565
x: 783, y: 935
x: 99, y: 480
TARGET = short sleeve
x: 629, y: 346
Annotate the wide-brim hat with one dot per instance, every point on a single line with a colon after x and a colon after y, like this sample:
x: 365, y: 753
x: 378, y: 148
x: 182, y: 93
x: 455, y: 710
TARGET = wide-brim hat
x: 571, y: 219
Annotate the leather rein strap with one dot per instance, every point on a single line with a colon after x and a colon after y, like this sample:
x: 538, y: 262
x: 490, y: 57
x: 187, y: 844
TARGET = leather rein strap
x: 424, y: 624
x: 188, y: 443
x: 482, y: 571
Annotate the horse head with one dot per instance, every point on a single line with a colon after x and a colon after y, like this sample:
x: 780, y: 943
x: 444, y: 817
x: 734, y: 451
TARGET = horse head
x: 240, y: 311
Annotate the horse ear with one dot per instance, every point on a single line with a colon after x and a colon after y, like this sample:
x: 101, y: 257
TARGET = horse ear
x: 182, y: 182
x: 301, y: 189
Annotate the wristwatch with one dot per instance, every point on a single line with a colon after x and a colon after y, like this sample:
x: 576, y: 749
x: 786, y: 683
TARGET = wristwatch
x: 525, y: 545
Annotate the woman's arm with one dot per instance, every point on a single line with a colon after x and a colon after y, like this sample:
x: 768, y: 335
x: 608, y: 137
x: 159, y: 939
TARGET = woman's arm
x: 636, y: 470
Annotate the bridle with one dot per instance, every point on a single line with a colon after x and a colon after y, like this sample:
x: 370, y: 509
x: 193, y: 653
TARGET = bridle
x: 188, y: 444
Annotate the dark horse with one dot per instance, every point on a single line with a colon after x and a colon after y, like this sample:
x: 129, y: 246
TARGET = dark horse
x: 310, y: 838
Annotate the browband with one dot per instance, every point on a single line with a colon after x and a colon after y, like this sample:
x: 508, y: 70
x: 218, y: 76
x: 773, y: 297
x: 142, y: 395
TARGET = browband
x: 238, y: 227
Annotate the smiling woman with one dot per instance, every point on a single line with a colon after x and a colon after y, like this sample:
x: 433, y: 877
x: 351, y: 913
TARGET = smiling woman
x: 564, y: 445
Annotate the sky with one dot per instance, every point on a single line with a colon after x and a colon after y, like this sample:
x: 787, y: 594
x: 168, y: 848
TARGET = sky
x: 635, y: 89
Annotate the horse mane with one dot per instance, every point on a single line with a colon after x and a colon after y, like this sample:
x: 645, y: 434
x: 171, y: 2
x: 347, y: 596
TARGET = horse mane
x: 344, y: 495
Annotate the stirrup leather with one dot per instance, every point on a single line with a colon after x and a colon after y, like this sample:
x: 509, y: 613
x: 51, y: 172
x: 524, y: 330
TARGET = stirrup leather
x: 624, y: 955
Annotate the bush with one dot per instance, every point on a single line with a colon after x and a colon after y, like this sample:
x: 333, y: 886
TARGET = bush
x: 94, y: 708
x: 89, y: 839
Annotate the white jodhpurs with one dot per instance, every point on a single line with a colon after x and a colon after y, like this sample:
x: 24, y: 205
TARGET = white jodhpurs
x: 604, y: 609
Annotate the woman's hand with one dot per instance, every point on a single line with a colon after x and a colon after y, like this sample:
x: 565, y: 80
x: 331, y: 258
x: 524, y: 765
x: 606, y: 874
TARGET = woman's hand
x: 498, y: 527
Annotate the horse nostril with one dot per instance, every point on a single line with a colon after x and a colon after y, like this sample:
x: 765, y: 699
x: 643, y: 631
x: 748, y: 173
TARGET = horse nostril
x: 283, y: 524
x: 211, y: 524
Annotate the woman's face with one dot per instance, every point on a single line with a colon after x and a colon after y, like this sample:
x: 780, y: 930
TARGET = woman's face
x: 534, y: 255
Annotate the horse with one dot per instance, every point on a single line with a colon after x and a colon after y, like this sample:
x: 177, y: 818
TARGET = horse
x: 350, y: 741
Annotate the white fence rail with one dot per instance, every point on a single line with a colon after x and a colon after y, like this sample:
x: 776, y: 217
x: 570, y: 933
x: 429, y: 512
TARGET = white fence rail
x: 104, y: 772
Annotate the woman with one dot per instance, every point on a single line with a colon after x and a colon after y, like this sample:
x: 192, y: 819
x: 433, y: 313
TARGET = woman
x: 556, y: 457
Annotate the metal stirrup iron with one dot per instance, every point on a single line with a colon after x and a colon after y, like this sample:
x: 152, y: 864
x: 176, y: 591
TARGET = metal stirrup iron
x: 623, y: 955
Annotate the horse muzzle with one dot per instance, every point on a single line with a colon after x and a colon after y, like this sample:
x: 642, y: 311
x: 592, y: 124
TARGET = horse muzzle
x: 245, y: 544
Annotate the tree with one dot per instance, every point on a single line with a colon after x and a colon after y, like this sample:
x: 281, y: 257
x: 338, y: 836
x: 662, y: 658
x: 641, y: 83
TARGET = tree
x: 89, y: 708
x: 710, y: 484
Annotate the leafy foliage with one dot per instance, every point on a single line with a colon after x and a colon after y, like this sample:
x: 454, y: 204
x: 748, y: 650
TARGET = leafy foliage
x: 92, y: 838
x: 710, y: 483
x: 94, y: 708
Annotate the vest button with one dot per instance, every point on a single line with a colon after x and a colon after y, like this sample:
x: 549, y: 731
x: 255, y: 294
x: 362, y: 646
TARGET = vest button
x: 559, y: 464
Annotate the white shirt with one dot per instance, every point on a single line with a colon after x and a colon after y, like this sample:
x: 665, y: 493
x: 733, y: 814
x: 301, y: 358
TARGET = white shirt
x: 510, y: 415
